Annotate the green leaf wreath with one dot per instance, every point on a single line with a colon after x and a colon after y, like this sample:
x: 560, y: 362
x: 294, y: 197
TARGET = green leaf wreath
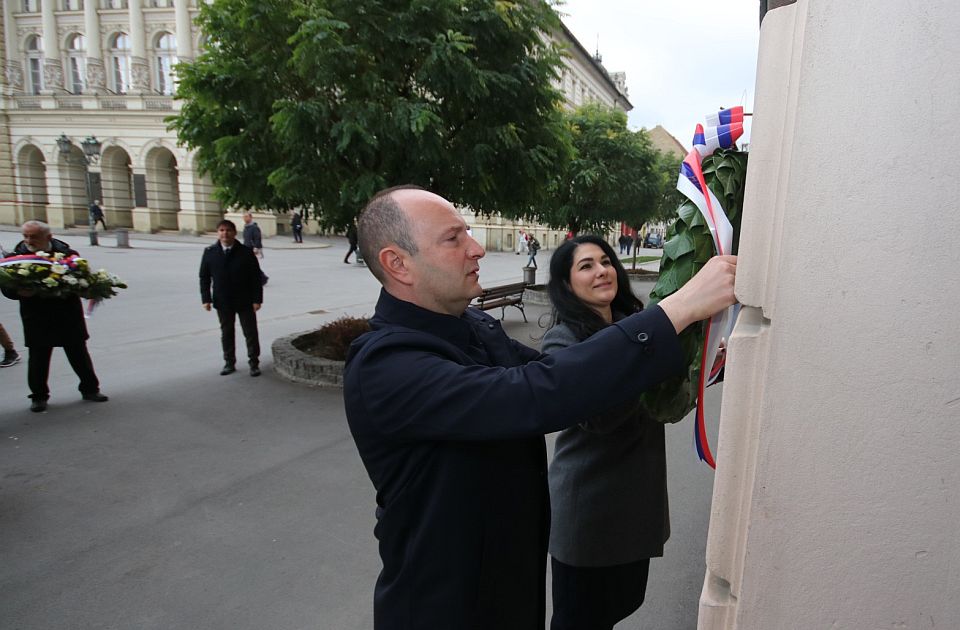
x: 689, y: 246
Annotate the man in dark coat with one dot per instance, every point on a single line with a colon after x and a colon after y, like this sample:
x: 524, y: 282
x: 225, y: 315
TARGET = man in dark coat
x: 448, y: 414
x: 96, y: 215
x: 51, y: 322
x: 237, y: 292
x: 351, y: 240
x: 252, y: 236
x: 296, y: 224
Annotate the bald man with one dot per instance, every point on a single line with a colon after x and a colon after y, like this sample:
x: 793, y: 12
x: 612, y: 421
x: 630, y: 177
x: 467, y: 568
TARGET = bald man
x: 448, y: 414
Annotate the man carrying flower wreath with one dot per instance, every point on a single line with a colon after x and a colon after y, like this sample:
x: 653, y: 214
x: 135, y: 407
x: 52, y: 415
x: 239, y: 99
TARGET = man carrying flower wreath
x: 50, y: 322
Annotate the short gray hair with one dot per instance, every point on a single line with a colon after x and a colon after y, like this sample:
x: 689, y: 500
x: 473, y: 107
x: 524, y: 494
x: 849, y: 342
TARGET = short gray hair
x: 383, y: 222
x: 44, y: 228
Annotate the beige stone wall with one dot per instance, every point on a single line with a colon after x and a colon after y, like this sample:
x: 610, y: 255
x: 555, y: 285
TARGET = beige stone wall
x: 835, y: 501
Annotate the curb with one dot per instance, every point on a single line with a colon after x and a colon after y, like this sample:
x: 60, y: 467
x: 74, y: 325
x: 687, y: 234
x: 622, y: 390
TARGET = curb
x: 296, y: 365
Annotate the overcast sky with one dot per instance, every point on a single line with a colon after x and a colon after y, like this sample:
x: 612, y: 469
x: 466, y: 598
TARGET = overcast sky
x: 682, y: 59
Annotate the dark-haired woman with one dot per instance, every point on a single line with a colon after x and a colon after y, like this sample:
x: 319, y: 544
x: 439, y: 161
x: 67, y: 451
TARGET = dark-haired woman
x: 608, y: 477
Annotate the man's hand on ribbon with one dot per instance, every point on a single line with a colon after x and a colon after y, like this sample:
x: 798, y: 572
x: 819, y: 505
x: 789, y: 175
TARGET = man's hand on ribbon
x: 707, y: 293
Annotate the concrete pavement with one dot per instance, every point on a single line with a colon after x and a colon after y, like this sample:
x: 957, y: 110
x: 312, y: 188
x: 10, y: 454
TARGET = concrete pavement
x: 192, y: 500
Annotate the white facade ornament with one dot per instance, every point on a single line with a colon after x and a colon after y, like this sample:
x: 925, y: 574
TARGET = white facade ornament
x: 96, y: 74
x: 52, y: 74
x: 13, y: 73
x: 139, y: 74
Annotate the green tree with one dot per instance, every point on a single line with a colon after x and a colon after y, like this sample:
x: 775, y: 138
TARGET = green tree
x: 612, y: 176
x: 668, y: 197
x: 320, y: 103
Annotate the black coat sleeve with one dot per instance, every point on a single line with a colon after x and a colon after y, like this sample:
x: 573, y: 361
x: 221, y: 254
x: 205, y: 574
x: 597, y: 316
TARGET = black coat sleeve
x: 408, y: 390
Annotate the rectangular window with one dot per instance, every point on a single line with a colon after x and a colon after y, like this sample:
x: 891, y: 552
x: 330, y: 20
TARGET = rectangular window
x: 165, y: 74
x: 76, y: 74
x: 36, y: 75
x: 120, y: 74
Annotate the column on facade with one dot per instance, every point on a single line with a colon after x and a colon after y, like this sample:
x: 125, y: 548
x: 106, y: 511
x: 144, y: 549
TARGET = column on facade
x: 96, y: 73
x: 184, y: 34
x: 139, y: 67
x: 13, y: 71
x: 59, y: 214
x: 52, y: 65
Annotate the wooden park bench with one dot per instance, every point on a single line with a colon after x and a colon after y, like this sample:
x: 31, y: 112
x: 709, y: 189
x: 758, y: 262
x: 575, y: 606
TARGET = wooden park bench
x: 501, y: 297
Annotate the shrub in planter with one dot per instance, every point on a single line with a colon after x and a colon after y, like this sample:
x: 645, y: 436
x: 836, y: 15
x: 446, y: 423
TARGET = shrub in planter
x: 332, y: 340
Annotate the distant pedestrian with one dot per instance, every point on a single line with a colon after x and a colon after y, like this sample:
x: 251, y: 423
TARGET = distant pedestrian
x: 252, y: 236
x: 296, y: 224
x: 52, y: 322
x: 96, y: 215
x: 521, y: 243
x: 533, y: 246
x: 10, y: 354
x: 352, y: 240
x: 237, y: 292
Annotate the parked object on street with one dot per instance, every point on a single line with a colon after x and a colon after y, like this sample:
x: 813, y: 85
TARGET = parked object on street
x: 653, y: 240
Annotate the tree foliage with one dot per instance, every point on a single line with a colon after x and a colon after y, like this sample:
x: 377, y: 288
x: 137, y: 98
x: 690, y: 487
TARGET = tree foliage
x: 320, y: 103
x: 612, y: 176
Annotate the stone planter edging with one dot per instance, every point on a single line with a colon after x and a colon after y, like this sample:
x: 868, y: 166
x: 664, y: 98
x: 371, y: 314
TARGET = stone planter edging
x: 296, y: 365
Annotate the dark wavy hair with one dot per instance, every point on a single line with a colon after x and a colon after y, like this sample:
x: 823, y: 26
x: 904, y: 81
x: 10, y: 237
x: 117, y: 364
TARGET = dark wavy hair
x: 567, y: 307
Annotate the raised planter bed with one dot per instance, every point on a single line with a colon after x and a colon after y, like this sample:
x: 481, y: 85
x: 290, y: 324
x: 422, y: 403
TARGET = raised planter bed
x: 293, y: 361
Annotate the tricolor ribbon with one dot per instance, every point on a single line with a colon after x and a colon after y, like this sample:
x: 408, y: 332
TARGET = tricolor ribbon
x: 728, y: 126
x: 69, y: 261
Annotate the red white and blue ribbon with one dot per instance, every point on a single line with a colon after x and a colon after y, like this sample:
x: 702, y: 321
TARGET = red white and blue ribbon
x: 726, y: 117
x: 728, y: 127
x: 33, y: 259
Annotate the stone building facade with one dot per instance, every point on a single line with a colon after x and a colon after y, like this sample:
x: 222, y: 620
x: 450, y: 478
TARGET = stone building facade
x: 99, y: 68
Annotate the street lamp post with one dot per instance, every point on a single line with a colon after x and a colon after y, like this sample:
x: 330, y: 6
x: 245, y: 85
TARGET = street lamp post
x: 91, y: 155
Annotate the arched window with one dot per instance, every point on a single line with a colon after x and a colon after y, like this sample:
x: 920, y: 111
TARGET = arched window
x: 35, y: 63
x: 165, y: 54
x: 120, y: 63
x: 76, y: 62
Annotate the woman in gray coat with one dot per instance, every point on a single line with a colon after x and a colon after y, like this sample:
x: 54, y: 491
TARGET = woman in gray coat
x: 608, y: 477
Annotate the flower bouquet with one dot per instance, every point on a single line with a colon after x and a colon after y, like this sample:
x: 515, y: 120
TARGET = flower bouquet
x: 57, y: 275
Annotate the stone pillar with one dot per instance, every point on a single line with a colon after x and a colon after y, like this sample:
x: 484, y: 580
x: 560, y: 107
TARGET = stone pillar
x: 52, y: 65
x: 96, y: 72
x: 58, y: 214
x: 139, y: 67
x: 834, y: 502
x: 184, y: 32
x: 143, y: 219
x: 199, y: 212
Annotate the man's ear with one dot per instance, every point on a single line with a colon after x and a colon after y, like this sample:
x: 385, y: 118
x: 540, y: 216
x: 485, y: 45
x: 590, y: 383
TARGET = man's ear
x: 393, y: 260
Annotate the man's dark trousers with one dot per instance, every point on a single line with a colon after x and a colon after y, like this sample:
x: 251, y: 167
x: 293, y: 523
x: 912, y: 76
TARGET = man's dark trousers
x: 248, y: 324
x: 38, y: 369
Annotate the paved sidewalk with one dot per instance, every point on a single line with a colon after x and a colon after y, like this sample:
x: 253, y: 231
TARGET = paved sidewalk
x: 191, y: 500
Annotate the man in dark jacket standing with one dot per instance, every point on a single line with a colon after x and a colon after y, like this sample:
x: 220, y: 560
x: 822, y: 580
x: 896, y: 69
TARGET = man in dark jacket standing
x: 252, y: 237
x: 462, y: 503
x: 51, y: 322
x: 237, y: 292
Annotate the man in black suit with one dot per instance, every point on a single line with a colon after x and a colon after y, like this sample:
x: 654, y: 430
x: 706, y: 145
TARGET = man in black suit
x: 237, y: 292
x: 51, y: 322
